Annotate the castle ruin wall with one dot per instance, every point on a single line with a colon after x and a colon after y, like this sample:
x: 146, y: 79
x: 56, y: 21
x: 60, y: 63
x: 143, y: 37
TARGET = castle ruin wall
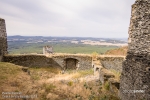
x: 3, y: 39
x: 112, y: 63
x: 135, y: 77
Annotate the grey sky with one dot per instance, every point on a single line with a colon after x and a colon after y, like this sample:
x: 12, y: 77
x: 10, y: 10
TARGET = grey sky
x: 81, y: 18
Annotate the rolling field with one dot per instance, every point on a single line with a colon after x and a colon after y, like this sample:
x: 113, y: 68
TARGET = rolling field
x: 58, y: 47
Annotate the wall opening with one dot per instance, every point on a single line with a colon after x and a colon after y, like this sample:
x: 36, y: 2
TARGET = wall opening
x: 71, y: 64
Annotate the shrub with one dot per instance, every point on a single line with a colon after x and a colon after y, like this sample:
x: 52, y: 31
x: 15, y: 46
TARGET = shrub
x: 49, y: 87
x: 70, y: 83
x: 106, y: 86
x: 94, y: 55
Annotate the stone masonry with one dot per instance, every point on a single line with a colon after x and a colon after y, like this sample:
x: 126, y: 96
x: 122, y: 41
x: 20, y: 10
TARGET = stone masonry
x: 82, y: 61
x: 68, y: 61
x: 135, y: 77
x: 3, y: 39
x: 47, y: 49
x: 112, y: 62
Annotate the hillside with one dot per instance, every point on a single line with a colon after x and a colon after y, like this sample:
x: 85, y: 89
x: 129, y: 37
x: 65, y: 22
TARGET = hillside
x: 20, y: 83
x: 118, y: 51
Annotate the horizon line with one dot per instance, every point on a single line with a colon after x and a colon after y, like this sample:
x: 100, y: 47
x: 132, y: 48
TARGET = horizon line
x: 68, y: 36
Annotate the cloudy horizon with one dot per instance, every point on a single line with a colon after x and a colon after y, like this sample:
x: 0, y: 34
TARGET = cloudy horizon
x: 70, y: 18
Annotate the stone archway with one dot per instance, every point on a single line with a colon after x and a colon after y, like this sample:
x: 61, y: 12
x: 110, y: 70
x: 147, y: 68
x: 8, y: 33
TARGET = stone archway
x: 71, y: 64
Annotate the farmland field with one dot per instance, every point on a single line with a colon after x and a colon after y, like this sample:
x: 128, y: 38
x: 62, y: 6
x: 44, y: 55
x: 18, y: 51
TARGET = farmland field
x: 23, y: 48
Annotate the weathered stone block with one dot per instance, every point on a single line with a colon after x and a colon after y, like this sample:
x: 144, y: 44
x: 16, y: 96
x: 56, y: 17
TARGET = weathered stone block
x: 114, y: 85
x: 105, y: 75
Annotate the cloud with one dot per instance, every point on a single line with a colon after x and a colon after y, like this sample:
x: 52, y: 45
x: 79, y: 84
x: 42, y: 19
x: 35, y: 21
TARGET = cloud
x: 85, y: 18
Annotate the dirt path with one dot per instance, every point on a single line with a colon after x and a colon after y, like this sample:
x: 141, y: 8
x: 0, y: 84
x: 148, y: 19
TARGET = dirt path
x: 68, y: 77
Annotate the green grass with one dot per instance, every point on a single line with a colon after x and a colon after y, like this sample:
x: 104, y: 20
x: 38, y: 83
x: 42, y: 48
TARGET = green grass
x: 70, y: 83
x: 21, y: 48
x: 106, y: 86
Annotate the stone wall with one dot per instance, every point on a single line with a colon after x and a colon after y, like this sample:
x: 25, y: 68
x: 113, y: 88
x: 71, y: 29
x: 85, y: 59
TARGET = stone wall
x: 135, y: 77
x: 85, y: 62
x: 73, y: 61
x: 3, y: 39
x: 31, y: 60
x: 114, y: 63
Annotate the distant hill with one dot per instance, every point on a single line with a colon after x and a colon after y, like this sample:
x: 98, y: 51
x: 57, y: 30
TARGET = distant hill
x: 34, y: 44
x: 118, y: 51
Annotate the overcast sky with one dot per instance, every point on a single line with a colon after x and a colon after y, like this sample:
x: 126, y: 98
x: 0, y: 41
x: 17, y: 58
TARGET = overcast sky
x: 72, y: 18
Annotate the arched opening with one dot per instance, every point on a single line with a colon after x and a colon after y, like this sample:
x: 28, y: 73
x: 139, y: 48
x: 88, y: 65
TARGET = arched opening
x: 71, y: 64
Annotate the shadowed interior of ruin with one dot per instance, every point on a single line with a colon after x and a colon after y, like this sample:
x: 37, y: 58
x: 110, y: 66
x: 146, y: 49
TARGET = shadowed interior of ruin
x: 71, y: 63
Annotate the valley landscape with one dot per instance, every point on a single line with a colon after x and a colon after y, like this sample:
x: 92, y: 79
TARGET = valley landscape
x: 49, y: 82
x: 74, y: 68
x: 74, y: 45
x: 71, y: 72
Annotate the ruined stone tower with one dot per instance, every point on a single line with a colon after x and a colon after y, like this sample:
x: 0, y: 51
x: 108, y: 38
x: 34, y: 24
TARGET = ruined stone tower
x: 3, y: 39
x: 135, y: 77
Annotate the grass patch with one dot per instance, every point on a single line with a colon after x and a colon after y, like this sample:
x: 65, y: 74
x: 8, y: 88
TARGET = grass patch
x: 70, y: 83
x: 94, y: 55
x: 38, y: 73
x: 49, y: 87
x: 116, y: 73
x: 98, y: 92
x: 82, y: 73
x: 8, y: 70
x: 48, y: 69
x: 35, y: 77
x: 53, y: 90
x: 106, y: 86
